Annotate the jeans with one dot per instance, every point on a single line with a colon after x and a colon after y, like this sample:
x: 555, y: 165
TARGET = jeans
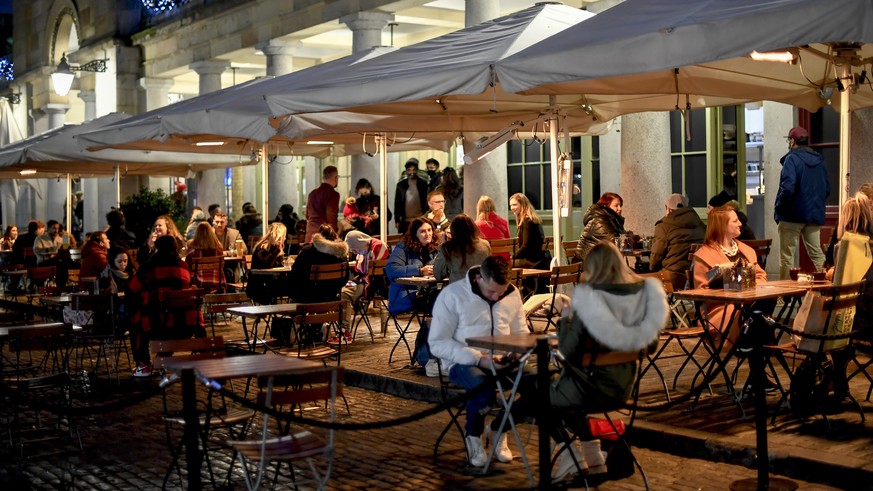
x: 789, y: 232
x: 470, y: 377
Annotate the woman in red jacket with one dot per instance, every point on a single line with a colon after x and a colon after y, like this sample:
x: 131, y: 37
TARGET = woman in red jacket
x: 94, y: 258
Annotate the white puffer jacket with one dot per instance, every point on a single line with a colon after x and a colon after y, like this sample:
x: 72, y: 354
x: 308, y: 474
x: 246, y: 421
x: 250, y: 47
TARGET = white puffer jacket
x: 460, y: 313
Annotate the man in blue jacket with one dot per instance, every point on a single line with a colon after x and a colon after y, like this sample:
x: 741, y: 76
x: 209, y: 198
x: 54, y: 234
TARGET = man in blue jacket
x: 800, y: 202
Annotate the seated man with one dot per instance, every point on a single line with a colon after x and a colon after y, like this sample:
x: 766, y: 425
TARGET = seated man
x: 484, y: 303
x: 674, y: 234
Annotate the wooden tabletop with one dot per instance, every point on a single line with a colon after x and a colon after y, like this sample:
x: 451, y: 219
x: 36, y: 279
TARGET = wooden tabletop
x: 419, y: 281
x: 56, y: 299
x: 46, y: 328
x: 14, y: 272
x: 244, y: 366
x: 264, y: 310
x: 762, y: 291
x: 279, y: 270
x: 506, y: 342
x: 529, y: 272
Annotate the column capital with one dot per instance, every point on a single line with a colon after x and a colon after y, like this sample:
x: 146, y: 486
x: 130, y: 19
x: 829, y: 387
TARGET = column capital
x: 88, y: 95
x: 210, y: 67
x: 53, y: 108
x: 154, y: 83
x: 367, y: 20
x: 277, y: 47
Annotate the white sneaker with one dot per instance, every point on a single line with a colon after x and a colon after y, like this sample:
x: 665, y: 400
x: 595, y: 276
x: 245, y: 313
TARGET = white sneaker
x: 565, y: 466
x: 476, y: 451
x: 595, y: 458
x: 431, y: 368
x: 501, y: 447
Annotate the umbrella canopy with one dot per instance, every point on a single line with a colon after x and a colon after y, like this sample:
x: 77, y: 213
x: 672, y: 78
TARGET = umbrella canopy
x: 649, y: 55
x: 57, y: 152
x: 444, y: 84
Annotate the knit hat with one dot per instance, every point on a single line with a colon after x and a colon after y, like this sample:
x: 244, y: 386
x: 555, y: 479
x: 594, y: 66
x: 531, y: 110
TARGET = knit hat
x: 358, y: 241
x: 675, y: 201
x: 412, y: 162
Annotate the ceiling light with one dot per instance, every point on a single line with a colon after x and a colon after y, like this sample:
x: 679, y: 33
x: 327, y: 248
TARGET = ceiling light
x: 27, y: 172
x: 788, y: 56
x: 209, y: 144
x: 319, y: 142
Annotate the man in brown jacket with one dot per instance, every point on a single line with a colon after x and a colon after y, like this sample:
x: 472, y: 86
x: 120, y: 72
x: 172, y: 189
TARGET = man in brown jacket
x: 322, y: 206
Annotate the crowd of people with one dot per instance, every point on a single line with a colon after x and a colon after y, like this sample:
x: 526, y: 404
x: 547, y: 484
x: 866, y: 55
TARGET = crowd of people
x: 614, y: 307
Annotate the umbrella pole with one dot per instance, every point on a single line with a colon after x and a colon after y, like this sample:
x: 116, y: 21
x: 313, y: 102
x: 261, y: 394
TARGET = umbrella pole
x: 845, y: 130
x: 69, y: 203
x: 117, y: 187
x: 265, y: 186
x: 556, y: 210
x: 383, y: 187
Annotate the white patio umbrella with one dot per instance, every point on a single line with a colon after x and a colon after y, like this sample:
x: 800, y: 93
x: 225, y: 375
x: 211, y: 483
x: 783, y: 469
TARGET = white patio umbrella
x: 56, y: 153
x: 445, y: 84
x: 650, y: 55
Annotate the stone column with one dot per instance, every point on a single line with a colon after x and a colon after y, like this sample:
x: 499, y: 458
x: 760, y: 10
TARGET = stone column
x: 209, y: 186
x: 778, y: 121
x: 487, y: 176
x: 90, y: 98
x: 56, y: 189
x: 860, y: 170
x: 645, y: 169
x: 156, y: 95
x: 282, y: 171
x: 366, y: 33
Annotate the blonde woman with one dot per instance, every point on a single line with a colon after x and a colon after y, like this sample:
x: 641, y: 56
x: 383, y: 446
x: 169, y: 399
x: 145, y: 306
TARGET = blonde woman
x: 529, y: 253
x: 267, y: 253
x: 491, y: 225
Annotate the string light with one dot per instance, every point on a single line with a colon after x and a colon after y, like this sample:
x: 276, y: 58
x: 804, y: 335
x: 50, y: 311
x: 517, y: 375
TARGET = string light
x: 6, y: 65
x: 161, y: 6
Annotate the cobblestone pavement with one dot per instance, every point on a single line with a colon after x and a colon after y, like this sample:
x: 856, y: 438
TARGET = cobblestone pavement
x: 127, y: 448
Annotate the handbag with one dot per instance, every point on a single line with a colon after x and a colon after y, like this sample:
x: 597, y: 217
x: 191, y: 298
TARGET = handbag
x: 811, y: 318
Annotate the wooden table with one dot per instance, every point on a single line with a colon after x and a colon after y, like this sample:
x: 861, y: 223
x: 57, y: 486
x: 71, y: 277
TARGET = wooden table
x: 271, y: 271
x: 527, y: 344
x: 56, y: 300
x: 260, y: 313
x: 48, y: 330
x: 212, y: 372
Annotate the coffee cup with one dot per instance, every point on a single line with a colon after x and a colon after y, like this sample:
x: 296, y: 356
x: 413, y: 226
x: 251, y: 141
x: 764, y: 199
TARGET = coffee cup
x: 794, y: 272
x: 818, y: 276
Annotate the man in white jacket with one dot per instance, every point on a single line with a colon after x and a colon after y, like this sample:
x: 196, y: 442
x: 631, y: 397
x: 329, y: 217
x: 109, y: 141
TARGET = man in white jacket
x: 485, y: 303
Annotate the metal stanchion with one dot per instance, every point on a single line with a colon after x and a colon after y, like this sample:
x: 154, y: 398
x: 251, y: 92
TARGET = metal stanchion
x: 192, y: 430
x: 543, y: 416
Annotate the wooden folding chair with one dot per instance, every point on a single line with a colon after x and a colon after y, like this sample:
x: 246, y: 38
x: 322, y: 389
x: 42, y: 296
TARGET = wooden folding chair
x: 207, y: 273
x: 288, y: 444
x: 561, y: 275
x: 761, y: 248
x: 215, y: 304
x: 41, y: 281
x: 378, y: 282
x: 502, y: 247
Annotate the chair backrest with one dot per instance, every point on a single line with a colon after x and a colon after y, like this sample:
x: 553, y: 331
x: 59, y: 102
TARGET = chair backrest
x: 294, y: 388
x: 42, y: 273
x: 216, y: 303
x: 186, y: 349
x: 562, y: 275
x: 378, y: 278
x: 569, y: 247
x: 176, y: 303
x: 252, y: 240
x: 393, y: 239
x: 208, y: 272
x: 761, y: 248
x: 548, y: 243
x: 318, y: 313
x: 503, y: 246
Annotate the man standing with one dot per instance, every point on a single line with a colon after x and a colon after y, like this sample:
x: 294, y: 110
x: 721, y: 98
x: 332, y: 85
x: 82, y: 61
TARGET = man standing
x: 674, y: 235
x: 322, y: 206
x: 409, y: 197
x: 484, y: 303
x: 800, y: 202
x: 433, y: 173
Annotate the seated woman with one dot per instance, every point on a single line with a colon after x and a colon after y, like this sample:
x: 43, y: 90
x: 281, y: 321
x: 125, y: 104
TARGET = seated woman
x: 529, y: 253
x: 94, y: 255
x: 9, y: 237
x: 412, y: 256
x: 266, y: 254
x: 163, y: 272
x: 325, y: 248
x: 164, y: 225
x: 617, y: 310
x: 721, y: 248
x: 464, y: 250
x: 205, y: 244
x: 115, y: 277
x: 491, y: 225
x: 367, y: 249
x: 602, y: 221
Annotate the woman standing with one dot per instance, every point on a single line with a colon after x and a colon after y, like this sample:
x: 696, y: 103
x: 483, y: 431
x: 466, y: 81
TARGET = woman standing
x: 464, y: 250
x: 602, y: 221
x: 368, y: 206
x: 267, y: 253
x: 620, y: 311
x: 163, y: 226
x: 163, y: 272
x: 529, y: 253
x: 205, y: 244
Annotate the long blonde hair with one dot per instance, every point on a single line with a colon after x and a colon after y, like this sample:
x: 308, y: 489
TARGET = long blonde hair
x: 855, y: 216
x: 276, y: 235
x: 605, y: 265
x: 484, y: 207
x: 526, y: 210
x: 172, y: 231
